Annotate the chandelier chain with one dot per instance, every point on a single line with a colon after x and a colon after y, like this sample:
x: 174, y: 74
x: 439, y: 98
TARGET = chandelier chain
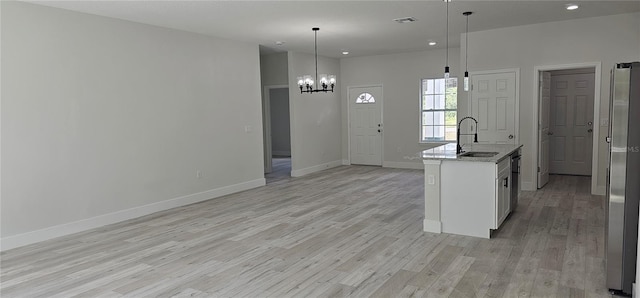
x: 466, y: 44
x: 447, y: 33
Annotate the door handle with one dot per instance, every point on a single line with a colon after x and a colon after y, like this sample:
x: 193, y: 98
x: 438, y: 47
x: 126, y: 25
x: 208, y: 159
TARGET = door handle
x: 589, y: 130
x: 511, y: 137
x: 506, y: 182
x: 379, y: 130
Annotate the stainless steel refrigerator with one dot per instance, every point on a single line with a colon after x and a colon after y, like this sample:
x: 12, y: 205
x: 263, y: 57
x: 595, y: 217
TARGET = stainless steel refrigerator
x: 623, y: 179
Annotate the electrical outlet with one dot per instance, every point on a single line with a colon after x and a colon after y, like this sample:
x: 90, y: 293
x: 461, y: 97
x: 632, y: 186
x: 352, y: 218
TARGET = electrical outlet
x: 604, y: 122
x: 198, y: 174
x: 247, y: 128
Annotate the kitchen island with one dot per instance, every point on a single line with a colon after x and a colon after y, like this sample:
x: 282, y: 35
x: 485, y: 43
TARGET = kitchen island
x: 468, y: 193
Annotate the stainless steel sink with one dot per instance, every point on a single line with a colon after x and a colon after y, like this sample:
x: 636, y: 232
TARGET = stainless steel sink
x: 478, y: 154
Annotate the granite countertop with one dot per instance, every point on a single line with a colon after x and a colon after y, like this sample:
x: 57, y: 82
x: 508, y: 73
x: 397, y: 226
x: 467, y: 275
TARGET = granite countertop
x: 448, y: 152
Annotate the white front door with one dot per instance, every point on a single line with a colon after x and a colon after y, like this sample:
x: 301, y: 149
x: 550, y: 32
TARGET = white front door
x: 365, y: 133
x: 571, y: 124
x: 543, y: 128
x: 493, y: 104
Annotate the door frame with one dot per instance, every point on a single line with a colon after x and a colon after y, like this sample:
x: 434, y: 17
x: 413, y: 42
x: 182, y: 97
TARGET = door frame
x: 349, y: 121
x: 517, y: 98
x: 596, y: 118
x: 266, y: 124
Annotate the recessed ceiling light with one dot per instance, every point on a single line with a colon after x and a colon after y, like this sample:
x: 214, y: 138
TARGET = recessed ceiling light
x: 572, y: 6
x: 279, y: 43
x: 432, y: 43
x: 446, y: 0
x: 345, y: 52
x: 405, y: 20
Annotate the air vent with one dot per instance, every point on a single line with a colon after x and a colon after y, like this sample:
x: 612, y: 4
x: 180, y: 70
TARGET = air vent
x: 405, y: 20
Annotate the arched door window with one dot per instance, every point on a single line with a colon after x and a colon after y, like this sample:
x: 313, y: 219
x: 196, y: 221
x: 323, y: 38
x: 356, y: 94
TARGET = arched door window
x: 365, y: 98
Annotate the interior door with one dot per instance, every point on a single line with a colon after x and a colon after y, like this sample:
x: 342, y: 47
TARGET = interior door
x: 365, y: 133
x: 493, y: 104
x: 571, y: 126
x: 543, y: 128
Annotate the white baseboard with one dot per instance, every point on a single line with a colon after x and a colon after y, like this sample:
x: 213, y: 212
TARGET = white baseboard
x: 432, y: 226
x: 403, y: 165
x: 281, y: 153
x: 309, y: 170
x: 118, y: 216
x: 346, y: 162
x: 600, y: 190
x: 528, y: 186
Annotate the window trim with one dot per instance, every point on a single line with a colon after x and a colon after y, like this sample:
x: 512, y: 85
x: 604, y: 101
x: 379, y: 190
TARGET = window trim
x: 421, y: 110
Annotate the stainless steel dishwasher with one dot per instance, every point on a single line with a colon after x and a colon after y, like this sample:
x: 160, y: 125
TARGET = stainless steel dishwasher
x: 515, y: 185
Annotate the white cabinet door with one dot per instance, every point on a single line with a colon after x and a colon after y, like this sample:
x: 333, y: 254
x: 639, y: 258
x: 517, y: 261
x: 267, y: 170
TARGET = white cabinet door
x: 503, y: 192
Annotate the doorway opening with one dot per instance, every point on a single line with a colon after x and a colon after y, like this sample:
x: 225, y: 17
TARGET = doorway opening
x: 277, y: 133
x: 567, y: 122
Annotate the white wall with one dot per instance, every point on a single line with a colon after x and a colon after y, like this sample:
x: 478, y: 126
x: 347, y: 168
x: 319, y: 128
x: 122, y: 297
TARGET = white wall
x: 608, y: 40
x: 315, y: 118
x: 280, y: 124
x: 400, y: 76
x: 104, y: 120
x: 274, y: 69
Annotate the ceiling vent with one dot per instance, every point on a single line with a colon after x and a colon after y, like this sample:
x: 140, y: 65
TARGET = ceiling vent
x: 405, y: 20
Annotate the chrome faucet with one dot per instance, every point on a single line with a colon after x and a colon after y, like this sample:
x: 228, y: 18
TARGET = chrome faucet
x: 475, y: 138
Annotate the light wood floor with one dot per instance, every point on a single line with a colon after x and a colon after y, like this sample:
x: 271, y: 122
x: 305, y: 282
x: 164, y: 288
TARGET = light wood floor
x: 280, y: 169
x: 348, y: 231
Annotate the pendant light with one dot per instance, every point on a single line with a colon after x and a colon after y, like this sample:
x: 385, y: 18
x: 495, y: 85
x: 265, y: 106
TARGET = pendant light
x: 446, y: 66
x: 466, y: 53
x: 306, y: 82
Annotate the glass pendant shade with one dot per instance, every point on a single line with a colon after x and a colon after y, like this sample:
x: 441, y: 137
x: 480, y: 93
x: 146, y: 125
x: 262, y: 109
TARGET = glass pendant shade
x: 332, y: 80
x: 323, y: 79
x: 466, y: 81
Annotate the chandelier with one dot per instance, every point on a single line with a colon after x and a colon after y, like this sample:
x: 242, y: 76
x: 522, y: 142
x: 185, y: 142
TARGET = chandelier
x: 306, y: 82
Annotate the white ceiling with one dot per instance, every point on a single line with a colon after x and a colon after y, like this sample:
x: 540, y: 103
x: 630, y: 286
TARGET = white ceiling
x: 361, y: 27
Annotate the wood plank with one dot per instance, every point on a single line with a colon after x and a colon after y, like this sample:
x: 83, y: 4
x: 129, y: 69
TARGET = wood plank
x: 574, y: 267
x: 554, y: 253
x: 394, y: 286
x: 446, y: 282
x: 546, y: 283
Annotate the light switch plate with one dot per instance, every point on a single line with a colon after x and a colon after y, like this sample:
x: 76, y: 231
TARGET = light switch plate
x: 604, y: 122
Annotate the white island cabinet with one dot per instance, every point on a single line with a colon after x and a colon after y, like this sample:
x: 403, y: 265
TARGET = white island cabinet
x: 468, y: 195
